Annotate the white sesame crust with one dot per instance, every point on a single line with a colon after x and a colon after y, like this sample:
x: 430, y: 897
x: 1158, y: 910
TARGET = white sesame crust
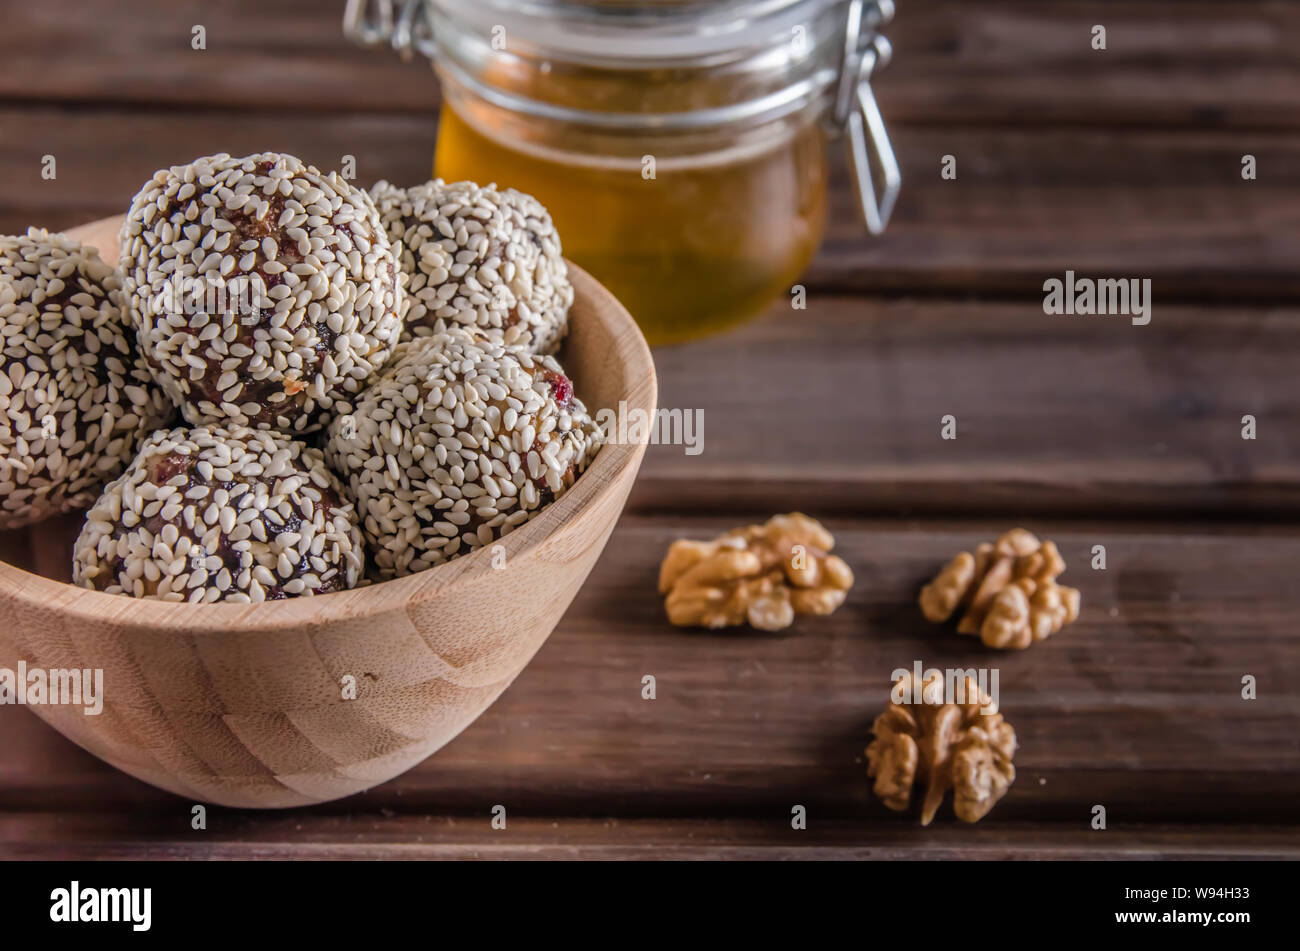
x: 75, y: 399
x: 460, y: 441
x: 210, y: 514
x: 317, y: 246
x: 481, y: 257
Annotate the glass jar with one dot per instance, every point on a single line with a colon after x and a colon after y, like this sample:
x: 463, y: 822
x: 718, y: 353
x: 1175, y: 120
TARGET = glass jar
x: 680, y: 145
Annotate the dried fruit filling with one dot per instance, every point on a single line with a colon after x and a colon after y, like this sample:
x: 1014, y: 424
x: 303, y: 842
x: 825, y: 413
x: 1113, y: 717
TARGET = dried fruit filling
x: 561, y: 387
x: 166, y: 467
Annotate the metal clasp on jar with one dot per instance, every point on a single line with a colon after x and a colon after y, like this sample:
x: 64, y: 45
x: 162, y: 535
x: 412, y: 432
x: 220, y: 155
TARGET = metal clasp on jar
x: 373, y: 23
x: 855, y: 111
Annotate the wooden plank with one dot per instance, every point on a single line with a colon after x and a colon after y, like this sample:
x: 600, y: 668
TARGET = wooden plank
x: 1194, y: 63
x: 1136, y: 707
x: 1026, y: 205
x: 1016, y: 61
x: 286, y: 57
x: 838, y: 408
x: 104, y: 157
x: 370, y: 834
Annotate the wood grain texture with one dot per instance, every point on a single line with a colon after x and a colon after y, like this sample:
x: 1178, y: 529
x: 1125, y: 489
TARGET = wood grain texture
x: 104, y: 156
x: 281, y: 57
x: 1122, y: 163
x: 380, y: 834
x: 1026, y: 205
x: 1137, y: 706
x: 241, y: 705
x: 1168, y: 62
x: 1171, y: 63
x: 837, y: 409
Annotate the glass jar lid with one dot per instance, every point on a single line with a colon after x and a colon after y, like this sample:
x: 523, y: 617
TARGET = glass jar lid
x: 639, y: 32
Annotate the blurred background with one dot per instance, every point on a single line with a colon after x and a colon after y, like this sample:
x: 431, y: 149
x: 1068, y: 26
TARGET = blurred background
x: 1125, y: 159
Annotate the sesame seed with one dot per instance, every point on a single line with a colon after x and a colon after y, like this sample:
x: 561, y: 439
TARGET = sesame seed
x: 75, y: 398
x: 239, y: 532
x: 220, y: 230
x: 413, y: 461
x: 480, y: 258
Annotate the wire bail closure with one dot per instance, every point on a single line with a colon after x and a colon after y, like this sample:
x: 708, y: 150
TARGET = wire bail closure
x: 856, y: 112
x: 374, y: 23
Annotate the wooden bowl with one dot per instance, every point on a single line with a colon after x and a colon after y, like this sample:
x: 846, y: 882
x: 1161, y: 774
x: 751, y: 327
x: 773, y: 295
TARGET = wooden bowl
x: 242, y: 705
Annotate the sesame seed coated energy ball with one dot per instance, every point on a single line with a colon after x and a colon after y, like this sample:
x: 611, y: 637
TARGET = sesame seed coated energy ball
x: 74, y: 396
x: 460, y: 441
x: 265, y: 292
x: 481, y: 257
x: 221, y: 515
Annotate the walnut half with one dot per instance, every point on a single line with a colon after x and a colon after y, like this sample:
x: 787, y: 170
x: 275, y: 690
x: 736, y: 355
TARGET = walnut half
x: 762, y: 574
x: 1006, y: 591
x: 922, y: 741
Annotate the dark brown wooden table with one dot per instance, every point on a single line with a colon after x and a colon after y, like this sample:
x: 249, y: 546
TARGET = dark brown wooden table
x: 1123, y: 163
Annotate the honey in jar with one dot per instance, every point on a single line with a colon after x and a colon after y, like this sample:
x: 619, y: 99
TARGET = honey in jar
x: 679, y: 146
x: 699, y: 246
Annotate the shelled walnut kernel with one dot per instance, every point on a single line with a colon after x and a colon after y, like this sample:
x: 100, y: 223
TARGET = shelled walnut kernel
x: 764, y: 574
x: 940, y: 746
x: 1006, y: 591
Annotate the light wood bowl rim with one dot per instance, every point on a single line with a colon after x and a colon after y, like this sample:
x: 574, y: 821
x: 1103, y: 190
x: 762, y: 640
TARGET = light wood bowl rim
x: 293, y: 614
